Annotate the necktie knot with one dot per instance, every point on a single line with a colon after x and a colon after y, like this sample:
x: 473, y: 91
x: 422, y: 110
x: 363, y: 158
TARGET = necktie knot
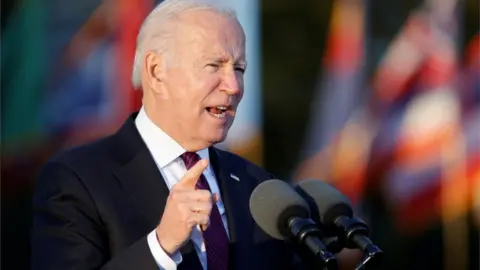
x: 190, y: 158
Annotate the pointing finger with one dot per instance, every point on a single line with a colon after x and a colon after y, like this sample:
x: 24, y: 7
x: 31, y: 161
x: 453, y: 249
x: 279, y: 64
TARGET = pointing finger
x: 190, y: 178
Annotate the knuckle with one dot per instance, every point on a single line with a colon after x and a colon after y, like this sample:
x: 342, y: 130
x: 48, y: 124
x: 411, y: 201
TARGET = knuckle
x: 204, y: 194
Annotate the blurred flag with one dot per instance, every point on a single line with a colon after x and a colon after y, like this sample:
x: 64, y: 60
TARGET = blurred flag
x: 416, y: 85
x: 338, y: 140
x: 427, y: 180
x: 90, y: 91
x: 471, y: 120
x: 245, y: 136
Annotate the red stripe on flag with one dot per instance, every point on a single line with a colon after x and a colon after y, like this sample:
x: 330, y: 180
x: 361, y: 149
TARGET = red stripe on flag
x: 420, y: 211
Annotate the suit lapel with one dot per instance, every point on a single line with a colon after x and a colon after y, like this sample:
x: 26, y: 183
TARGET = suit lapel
x: 236, y: 195
x: 142, y: 181
x: 145, y: 185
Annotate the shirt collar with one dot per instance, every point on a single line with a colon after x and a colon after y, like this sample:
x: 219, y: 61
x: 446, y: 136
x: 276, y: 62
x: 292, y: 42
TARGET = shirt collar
x: 163, y: 148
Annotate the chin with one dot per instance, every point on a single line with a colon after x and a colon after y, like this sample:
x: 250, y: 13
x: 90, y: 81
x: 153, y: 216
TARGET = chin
x: 218, y: 136
x: 214, y: 134
x: 218, y: 139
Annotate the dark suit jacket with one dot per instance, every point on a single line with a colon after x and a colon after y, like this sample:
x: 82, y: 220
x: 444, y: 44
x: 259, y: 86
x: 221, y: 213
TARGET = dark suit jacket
x: 95, y: 204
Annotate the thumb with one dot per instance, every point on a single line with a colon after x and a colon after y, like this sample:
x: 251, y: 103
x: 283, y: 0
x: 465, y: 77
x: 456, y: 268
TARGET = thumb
x: 190, y: 178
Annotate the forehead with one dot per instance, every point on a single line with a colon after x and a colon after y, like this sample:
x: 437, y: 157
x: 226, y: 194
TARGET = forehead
x: 208, y: 34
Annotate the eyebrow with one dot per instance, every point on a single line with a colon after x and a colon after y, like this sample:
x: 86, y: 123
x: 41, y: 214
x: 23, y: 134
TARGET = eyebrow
x: 222, y: 60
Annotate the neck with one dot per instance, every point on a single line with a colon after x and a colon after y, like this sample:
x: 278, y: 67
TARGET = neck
x: 167, y: 126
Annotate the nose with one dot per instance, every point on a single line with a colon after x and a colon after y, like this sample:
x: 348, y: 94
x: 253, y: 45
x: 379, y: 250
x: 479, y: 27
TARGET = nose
x: 233, y: 83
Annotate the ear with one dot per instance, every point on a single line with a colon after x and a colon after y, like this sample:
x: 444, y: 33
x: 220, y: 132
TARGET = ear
x: 154, y: 71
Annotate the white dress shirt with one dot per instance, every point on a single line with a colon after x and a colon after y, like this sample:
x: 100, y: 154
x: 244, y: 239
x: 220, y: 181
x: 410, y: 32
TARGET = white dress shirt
x: 166, y: 153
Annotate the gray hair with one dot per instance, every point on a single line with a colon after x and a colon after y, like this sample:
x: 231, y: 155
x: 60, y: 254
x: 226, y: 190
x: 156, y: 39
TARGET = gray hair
x: 156, y: 27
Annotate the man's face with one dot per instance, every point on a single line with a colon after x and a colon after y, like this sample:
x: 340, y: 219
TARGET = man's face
x: 203, y: 83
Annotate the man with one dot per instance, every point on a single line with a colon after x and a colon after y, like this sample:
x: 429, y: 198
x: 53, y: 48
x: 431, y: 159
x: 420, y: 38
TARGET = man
x: 157, y: 194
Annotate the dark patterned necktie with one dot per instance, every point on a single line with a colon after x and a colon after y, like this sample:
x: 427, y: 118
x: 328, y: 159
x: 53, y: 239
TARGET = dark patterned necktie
x: 215, y: 237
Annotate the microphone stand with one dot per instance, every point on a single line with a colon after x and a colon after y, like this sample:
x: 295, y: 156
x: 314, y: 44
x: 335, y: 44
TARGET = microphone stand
x: 305, y: 235
x: 369, y: 259
x: 355, y: 233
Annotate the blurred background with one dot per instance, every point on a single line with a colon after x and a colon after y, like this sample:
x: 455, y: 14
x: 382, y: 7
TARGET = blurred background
x: 379, y: 98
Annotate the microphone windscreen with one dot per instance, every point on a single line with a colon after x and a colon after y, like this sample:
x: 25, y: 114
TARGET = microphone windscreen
x: 325, y: 201
x: 273, y: 203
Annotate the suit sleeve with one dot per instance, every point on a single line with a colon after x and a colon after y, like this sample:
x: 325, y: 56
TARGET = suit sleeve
x: 67, y: 231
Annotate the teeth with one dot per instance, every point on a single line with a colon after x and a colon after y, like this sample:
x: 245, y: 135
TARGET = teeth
x: 222, y: 111
x: 220, y: 115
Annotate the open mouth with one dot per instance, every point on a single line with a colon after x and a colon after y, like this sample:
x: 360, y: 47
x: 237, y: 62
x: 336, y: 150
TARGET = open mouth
x: 219, y: 111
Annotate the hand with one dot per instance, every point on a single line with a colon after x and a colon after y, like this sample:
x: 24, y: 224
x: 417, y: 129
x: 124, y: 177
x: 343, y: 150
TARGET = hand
x: 185, y: 208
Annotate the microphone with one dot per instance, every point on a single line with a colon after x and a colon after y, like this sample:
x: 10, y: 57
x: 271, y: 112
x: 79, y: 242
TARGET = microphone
x: 336, y: 215
x: 283, y: 214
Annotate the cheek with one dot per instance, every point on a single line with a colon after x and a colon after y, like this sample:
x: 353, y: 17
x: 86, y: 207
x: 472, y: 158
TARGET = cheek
x: 240, y: 87
x: 196, y: 96
x: 206, y: 85
x: 211, y: 83
x: 194, y: 89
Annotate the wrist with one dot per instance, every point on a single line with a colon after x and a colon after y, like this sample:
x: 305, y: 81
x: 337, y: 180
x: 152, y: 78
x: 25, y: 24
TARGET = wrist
x: 168, y: 248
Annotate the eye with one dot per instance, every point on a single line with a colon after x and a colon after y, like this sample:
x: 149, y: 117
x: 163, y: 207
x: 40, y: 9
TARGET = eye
x: 241, y: 69
x: 213, y: 66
